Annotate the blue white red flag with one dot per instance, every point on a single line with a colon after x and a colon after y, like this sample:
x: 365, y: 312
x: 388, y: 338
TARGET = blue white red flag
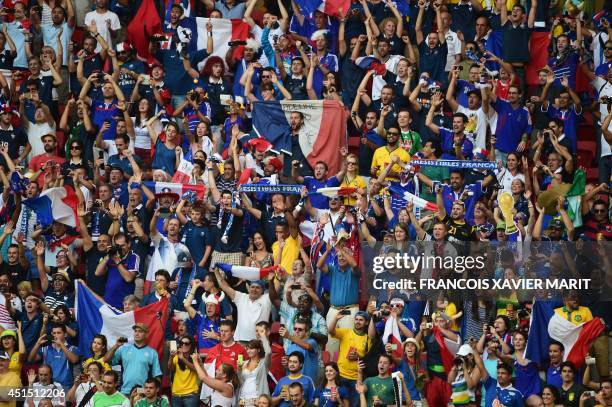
x: 321, y: 137
x: 94, y: 316
x: 246, y: 273
x: 334, y: 8
x: 55, y: 205
x: 223, y: 31
x: 547, y: 325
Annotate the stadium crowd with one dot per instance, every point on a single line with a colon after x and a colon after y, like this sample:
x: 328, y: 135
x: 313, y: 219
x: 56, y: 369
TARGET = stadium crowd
x: 447, y: 81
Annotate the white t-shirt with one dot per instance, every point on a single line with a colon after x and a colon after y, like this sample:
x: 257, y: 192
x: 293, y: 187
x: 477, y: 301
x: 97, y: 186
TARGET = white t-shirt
x: 476, y: 127
x: 249, y: 314
x: 35, y: 132
x: 378, y: 81
x: 100, y: 19
x: 505, y: 178
x: 81, y: 390
x: 454, y: 48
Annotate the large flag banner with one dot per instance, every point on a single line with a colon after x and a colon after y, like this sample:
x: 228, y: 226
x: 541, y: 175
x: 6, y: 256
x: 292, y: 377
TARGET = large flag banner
x: 334, y: 8
x: 391, y: 335
x: 55, y: 205
x: 547, y: 325
x: 224, y: 30
x: 94, y: 316
x: 538, y: 56
x: 145, y: 23
x: 321, y: 137
x: 177, y: 188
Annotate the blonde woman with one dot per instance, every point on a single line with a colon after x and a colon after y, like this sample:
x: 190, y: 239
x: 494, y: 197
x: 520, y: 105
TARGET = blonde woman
x: 352, y: 179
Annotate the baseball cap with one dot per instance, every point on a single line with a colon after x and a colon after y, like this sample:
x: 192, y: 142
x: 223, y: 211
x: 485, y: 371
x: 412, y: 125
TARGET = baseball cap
x: 8, y: 332
x: 465, y: 350
x: 556, y: 223
x: 260, y: 283
x: 140, y: 325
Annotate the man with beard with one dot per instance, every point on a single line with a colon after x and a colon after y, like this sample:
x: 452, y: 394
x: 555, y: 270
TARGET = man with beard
x: 125, y: 158
x: 108, y: 395
x: 281, y: 395
x: 397, y: 189
x: 380, y: 387
x: 458, y: 190
x: 319, y: 180
x: 455, y: 144
x: 371, y: 139
x: 456, y: 222
x: 130, y: 68
x: 477, y: 111
x: 303, y: 309
x: 382, y: 155
x: 46, y: 162
x: 240, y: 66
x: 556, y: 227
x: 105, y: 108
x: 16, y: 263
x: 296, y: 122
x: 513, y: 123
x: 354, y: 344
x: 94, y: 253
x: 596, y: 223
x: 121, y: 266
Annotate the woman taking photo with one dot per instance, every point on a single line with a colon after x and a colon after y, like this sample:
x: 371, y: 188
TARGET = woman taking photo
x: 352, y: 179
x: 223, y: 385
x: 62, y: 316
x: 254, y: 372
x: 464, y: 377
x: 185, y: 384
x: 330, y: 393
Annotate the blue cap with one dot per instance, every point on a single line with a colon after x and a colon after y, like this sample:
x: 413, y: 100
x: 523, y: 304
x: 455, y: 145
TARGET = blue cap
x: 260, y: 283
x: 363, y: 314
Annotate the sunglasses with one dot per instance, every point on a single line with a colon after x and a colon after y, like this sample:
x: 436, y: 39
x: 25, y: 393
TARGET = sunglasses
x: 351, y: 163
x: 296, y: 329
x: 392, y: 133
x: 608, y: 48
x: 599, y: 211
x: 265, y: 76
x: 185, y: 343
x: 397, y: 305
x: 75, y: 147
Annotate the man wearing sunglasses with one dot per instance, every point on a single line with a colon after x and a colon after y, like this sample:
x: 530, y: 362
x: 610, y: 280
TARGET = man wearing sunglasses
x: 597, y: 225
x: 382, y: 156
x: 302, y: 342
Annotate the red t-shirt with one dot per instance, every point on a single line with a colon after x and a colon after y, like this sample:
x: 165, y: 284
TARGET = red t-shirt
x: 39, y: 161
x: 226, y: 354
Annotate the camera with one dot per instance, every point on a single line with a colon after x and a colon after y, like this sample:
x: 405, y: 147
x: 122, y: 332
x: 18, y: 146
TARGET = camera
x: 113, y: 250
x: 158, y: 38
x: 236, y: 43
x: 605, y: 100
x: 193, y: 96
x: 307, y: 48
x: 458, y: 361
x: 523, y: 314
x: 276, y: 25
x: 65, y: 171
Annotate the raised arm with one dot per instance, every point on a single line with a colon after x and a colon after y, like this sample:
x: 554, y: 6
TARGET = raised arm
x: 436, y: 103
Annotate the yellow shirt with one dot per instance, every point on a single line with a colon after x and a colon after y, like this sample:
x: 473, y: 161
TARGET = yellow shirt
x: 291, y: 252
x: 15, y: 363
x: 349, y: 339
x: 7, y: 380
x: 357, y: 182
x: 382, y: 157
x: 450, y: 310
x: 185, y: 381
x: 105, y: 366
x: 577, y: 317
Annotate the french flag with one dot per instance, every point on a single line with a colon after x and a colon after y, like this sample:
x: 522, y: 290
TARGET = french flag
x: 333, y: 192
x: 547, y: 325
x: 175, y: 187
x: 321, y: 137
x: 391, y: 335
x: 246, y: 273
x: 417, y: 201
x: 94, y: 316
x: 369, y: 63
x: 329, y: 7
x: 223, y: 31
x: 55, y: 205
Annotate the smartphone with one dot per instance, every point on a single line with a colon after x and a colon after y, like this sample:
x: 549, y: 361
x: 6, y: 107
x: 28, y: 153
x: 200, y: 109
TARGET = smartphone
x: 101, y: 156
x: 295, y: 286
x: 173, y: 346
x: 84, y: 377
x: 240, y: 359
x: 345, y: 312
x: 140, y: 390
x: 394, y: 346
